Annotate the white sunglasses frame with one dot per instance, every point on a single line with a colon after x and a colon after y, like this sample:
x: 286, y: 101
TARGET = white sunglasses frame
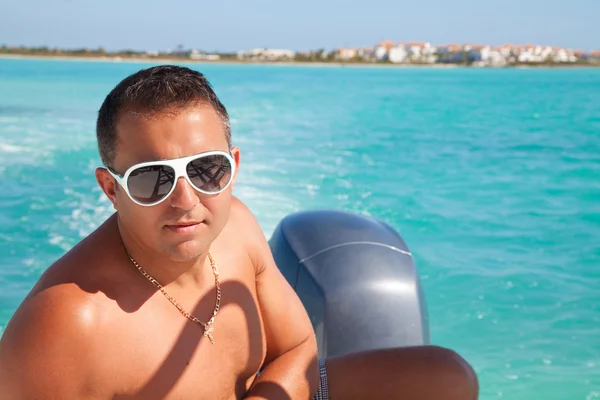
x: 179, y: 166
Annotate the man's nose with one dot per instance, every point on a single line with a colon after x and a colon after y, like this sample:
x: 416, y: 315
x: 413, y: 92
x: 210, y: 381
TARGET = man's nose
x: 184, y: 196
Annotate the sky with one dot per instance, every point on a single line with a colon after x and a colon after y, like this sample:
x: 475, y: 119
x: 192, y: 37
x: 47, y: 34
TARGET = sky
x: 232, y: 25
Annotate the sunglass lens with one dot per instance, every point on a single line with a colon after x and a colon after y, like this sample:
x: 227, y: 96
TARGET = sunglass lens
x: 210, y: 174
x: 151, y: 184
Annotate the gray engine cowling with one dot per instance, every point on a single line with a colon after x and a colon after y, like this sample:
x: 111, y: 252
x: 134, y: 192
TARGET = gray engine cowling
x: 356, y: 278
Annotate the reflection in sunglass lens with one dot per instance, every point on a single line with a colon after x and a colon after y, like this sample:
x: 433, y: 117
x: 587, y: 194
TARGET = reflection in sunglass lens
x: 210, y: 173
x: 150, y: 184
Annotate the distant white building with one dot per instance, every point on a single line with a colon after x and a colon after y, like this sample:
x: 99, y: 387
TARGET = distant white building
x: 380, y: 53
x: 346, y: 53
x: 509, y: 53
x: 398, y: 54
x: 561, y: 55
x: 382, y: 49
x: 421, y: 52
x: 594, y: 56
x: 492, y: 56
x: 428, y: 53
x: 261, y: 54
x: 198, y: 55
x: 544, y: 52
x: 451, y: 53
x: 531, y: 53
x: 366, y: 53
x: 473, y: 53
x: 527, y: 55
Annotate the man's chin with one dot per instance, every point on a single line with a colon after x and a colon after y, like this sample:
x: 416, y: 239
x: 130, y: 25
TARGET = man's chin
x: 188, y: 250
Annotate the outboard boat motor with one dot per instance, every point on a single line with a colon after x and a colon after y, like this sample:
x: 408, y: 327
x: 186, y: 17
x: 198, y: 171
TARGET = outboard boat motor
x: 356, y: 278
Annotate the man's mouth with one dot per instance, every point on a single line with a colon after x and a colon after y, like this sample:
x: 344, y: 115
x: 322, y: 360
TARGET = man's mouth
x: 184, y: 227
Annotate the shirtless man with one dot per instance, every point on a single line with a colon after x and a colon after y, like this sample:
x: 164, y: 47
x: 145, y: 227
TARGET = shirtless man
x: 176, y: 295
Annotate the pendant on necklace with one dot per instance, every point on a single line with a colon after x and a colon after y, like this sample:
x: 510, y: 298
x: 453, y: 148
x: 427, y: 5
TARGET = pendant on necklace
x: 208, y: 332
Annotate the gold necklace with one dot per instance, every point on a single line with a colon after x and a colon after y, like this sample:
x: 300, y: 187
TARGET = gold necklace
x: 208, y: 326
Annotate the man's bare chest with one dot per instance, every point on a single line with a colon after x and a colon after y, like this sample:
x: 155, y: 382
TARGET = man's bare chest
x: 156, y: 352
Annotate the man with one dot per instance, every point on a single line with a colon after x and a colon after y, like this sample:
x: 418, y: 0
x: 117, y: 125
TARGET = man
x: 176, y: 295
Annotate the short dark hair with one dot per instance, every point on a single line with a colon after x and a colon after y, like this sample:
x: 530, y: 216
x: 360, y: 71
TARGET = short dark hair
x: 165, y: 88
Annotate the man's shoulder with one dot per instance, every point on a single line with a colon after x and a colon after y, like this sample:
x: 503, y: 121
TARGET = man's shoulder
x: 243, y: 224
x: 51, y: 331
x: 244, y: 228
x: 53, y: 312
x: 67, y: 297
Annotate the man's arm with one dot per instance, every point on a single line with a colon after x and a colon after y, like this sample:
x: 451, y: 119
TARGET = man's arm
x: 291, y: 365
x: 43, y: 354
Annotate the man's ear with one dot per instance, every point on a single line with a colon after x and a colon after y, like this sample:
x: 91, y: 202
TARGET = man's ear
x: 107, y: 184
x: 235, y: 153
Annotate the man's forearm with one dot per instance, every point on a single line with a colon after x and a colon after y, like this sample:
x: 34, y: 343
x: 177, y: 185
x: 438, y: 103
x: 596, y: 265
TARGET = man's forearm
x: 293, y: 375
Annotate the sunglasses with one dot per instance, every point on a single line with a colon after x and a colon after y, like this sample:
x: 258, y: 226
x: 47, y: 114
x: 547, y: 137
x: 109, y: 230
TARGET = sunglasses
x: 150, y: 183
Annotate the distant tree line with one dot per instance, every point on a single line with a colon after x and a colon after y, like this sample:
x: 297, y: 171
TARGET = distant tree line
x: 82, y: 52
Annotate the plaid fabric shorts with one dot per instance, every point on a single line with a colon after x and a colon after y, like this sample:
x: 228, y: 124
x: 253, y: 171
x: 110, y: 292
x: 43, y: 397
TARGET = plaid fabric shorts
x: 323, y: 392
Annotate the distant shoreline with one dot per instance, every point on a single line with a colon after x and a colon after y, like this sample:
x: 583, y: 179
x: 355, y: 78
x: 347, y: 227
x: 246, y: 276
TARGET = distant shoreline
x: 162, y: 60
x: 159, y: 60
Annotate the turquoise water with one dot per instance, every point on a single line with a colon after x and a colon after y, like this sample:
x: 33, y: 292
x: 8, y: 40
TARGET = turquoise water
x: 491, y: 176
